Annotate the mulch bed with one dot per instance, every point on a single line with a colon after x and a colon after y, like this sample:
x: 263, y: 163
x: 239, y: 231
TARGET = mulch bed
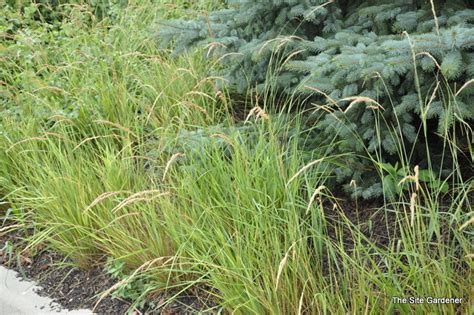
x: 74, y: 288
x: 378, y: 225
x: 71, y: 287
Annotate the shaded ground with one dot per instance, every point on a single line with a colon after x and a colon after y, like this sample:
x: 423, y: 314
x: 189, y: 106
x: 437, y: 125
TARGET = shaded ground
x: 69, y: 286
x: 75, y: 288
x: 377, y: 224
x: 18, y: 296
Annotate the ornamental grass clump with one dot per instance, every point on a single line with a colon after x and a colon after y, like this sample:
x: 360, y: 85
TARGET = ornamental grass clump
x: 411, y: 58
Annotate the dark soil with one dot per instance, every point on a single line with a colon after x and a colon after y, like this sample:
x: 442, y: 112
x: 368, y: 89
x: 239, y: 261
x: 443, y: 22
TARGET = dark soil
x: 75, y: 288
x: 69, y: 286
x: 377, y: 224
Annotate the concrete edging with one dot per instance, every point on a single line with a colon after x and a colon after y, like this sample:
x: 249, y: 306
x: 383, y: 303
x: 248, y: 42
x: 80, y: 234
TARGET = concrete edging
x: 18, y: 296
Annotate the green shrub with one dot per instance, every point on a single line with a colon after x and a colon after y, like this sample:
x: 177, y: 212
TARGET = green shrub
x: 56, y: 10
x: 391, y: 72
x: 91, y: 112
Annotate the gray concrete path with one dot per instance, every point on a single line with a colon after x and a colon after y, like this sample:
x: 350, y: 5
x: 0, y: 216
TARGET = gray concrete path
x: 18, y: 297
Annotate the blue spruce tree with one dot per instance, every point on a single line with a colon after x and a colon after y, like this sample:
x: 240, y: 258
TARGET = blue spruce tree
x: 372, y: 62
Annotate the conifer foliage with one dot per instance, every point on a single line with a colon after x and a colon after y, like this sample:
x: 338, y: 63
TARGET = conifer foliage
x: 357, y: 56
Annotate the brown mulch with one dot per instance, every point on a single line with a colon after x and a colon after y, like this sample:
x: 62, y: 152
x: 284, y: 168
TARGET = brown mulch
x: 71, y: 287
x: 375, y: 222
x: 74, y: 288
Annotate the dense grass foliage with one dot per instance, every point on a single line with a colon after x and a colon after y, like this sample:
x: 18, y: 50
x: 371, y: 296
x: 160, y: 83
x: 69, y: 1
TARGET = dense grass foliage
x: 372, y: 64
x: 117, y: 154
